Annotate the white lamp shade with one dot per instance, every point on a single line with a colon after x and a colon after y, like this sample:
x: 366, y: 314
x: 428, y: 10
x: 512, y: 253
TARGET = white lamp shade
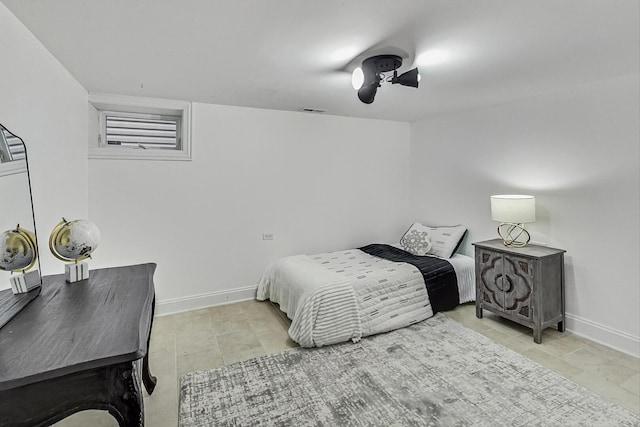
x: 515, y: 208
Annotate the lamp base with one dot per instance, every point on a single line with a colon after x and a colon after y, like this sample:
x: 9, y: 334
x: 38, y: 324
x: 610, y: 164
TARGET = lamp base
x: 24, y: 282
x: 76, y: 272
x: 513, y: 234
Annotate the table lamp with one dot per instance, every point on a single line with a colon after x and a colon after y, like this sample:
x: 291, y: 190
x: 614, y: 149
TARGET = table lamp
x: 513, y: 211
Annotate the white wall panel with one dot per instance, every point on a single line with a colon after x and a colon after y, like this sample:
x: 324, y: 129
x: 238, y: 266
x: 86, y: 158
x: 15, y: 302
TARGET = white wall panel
x: 577, y: 151
x: 317, y: 182
x: 44, y: 105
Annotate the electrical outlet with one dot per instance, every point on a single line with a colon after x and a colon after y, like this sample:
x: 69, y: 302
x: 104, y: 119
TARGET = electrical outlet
x: 267, y: 236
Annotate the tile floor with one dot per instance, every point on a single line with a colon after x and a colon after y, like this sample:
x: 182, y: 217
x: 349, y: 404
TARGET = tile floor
x: 222, y: 335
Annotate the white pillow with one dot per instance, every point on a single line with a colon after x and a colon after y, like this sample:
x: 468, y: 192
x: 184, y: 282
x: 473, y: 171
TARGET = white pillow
x: 416, y: 240
x: 445, y: 240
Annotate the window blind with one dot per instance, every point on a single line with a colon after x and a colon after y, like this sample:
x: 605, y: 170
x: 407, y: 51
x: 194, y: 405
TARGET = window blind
x: 15, y: 145
x: 143, y: 132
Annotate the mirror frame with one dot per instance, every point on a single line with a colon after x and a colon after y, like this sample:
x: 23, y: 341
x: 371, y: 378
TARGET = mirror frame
x: 10, y: 303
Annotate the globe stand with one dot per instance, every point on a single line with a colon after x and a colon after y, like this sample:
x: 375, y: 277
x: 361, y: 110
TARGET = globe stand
x: 74, y: 241
x: 24, y: 282
x: 76, y: 272
x: 19, y: 254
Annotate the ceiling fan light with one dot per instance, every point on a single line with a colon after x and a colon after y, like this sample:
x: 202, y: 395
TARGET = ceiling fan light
x: 367, y: 93
x: 357, y: 78
x: 369, y: 77
x: 410, y: 78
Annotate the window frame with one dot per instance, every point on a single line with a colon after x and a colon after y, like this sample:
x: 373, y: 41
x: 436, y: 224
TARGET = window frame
x: 119, y: 104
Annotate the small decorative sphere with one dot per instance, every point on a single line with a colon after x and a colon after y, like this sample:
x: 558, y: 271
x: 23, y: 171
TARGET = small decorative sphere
x: 17, y: 251
x: 74, y: 240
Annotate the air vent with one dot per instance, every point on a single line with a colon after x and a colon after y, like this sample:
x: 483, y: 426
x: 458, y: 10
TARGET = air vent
x: 312, y: 110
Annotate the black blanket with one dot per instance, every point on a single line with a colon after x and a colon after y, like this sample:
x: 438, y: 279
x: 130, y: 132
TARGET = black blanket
x: 439, y: 275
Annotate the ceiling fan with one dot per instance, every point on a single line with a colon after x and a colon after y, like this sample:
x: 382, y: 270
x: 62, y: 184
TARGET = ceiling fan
x: 369, y: 77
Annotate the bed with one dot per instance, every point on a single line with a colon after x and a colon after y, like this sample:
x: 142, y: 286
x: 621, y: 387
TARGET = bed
x: 345, y: 295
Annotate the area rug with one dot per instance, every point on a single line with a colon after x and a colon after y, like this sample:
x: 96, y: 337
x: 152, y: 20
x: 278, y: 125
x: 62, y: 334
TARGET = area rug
x: 434, y: 373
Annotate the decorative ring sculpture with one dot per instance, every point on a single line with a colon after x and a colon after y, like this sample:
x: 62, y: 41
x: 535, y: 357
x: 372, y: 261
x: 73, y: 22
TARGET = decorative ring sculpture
x: 513, y: 234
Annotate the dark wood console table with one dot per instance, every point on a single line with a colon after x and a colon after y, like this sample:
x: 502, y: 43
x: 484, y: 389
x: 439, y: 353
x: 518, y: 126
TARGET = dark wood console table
x: 79, y: 346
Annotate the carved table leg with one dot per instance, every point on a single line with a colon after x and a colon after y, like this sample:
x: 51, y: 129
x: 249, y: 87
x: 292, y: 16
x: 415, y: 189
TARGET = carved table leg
x: 149, y: 380
x: 125, y: 396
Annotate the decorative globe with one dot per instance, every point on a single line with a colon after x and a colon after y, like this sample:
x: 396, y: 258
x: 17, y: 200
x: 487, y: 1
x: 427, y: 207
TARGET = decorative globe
x: 74, y: 240
x: 17, y: 250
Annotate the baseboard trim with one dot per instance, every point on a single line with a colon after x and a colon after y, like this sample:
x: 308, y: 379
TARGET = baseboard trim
x: 194, y: 302
x: 603, y: 334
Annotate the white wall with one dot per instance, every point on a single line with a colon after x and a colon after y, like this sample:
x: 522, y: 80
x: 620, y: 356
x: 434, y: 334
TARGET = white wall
x: 324, y: 183
x: 577, y: 151
x: 317, y: 182
x: 44, y: 105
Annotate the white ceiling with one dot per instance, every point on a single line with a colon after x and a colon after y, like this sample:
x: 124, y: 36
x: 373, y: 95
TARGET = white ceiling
x: 290, y: 54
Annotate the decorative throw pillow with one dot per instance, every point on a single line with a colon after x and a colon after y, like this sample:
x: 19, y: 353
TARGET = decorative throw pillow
x: 416, y: 240
x: 445, y: 240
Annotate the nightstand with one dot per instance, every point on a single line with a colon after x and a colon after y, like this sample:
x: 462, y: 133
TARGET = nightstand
x: 524, y: 285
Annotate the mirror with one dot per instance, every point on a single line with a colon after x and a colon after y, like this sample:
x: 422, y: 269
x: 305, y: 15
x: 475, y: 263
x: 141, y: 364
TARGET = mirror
x: 18, y: 250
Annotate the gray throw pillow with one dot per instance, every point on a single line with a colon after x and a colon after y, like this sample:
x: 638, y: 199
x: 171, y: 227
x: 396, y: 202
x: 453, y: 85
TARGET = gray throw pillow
x: 416, y: 240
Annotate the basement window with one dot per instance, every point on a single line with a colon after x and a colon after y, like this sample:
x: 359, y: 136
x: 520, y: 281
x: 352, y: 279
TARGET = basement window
x: 11, y: 147
x: 146, y: 131
x: 12, y: 154
x: 138, y: 128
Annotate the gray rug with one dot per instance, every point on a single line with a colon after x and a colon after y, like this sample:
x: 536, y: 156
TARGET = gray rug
x: 435, y: 373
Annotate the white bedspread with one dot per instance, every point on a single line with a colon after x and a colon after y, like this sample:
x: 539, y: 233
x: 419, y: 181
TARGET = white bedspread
x: 320, y: 302
x: 339, y: 296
